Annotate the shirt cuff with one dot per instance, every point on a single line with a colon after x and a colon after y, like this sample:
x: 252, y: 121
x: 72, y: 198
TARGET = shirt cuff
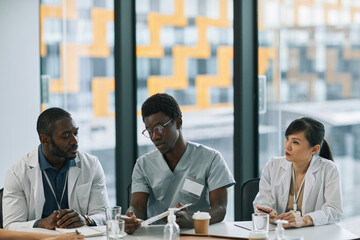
x: 90, y: 221
x: 36, y: 223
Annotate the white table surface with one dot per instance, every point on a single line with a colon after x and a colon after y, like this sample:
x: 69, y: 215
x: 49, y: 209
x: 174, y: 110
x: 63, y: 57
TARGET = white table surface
x: 328, y: 232
x: 154, y: 232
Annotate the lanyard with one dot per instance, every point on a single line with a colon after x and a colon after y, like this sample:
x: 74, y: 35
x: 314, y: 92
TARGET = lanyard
x: 296, y: 198
x: 52, y: 189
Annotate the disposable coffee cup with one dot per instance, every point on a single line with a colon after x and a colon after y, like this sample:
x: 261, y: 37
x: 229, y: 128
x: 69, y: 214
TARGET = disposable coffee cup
x: 201, y: 222
x: 258, y: 235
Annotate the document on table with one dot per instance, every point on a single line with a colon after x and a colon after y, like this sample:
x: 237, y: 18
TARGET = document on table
x: 222, y: 230
x: 249, y: 226
x: 86, y: 231
x: 161, y: 215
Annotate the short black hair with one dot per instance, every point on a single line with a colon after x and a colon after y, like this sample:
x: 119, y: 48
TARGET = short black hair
x: 46, y: 120
x: 161, y: 102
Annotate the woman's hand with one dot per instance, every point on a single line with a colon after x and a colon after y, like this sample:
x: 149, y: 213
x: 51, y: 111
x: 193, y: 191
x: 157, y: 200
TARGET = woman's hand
x: 294, y: 220
x: 270, y: 211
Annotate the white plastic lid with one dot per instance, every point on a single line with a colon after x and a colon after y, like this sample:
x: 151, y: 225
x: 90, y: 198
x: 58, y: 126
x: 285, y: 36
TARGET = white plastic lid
x: 258, y: 234
x: 201, y: 215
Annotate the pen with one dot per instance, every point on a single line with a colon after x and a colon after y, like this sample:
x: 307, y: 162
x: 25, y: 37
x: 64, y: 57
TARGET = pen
x: 134, y: 218
x: 243, y: 227
x: 77, y: 232
x: 270, y: 213
x: 262, y: 210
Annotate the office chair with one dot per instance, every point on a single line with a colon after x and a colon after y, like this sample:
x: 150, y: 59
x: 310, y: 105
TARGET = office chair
x: 129, y: 195
x: 249, y: 189
x: 1, y: 217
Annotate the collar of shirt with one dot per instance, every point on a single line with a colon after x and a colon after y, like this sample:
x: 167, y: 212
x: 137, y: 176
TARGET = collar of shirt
x: 44, y: 164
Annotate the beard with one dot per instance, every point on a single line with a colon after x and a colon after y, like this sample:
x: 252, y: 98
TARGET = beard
x: 57, y: 151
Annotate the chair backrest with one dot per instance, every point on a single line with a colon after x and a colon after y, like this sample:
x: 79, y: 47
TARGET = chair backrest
x: 1, y: 217
x: 129, y: 195
x: 249, y: 189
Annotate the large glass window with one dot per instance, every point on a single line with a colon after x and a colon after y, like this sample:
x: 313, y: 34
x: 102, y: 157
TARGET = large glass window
x: 185, y: 48
x: 77, y: 72
x: 309, y: 52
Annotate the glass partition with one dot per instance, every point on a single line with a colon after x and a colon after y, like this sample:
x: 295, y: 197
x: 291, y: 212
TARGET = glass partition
x: 309, y: 52
x: 77, y: 72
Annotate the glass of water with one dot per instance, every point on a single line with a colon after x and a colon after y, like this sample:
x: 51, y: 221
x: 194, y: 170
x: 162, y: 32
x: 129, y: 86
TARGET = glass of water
x: 115, y: 229
x: 113, y: 213
x: 260, y: 221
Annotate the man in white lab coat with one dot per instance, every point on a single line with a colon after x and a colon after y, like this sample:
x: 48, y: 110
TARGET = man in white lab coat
x: 55, y: 185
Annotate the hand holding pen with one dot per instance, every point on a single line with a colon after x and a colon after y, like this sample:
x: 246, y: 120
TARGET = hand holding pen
x: 183, y: 218
x: 272, y: 213
x: 131, y: 222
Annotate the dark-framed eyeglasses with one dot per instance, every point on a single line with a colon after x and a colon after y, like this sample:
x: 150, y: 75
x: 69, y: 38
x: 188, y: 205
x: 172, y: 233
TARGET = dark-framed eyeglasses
x: 158, y: 129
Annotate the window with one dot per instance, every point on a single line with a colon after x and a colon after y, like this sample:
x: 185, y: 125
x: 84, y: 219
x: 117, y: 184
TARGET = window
x: 77, y: 72
x: 185, y: 48
x: 309, y: 53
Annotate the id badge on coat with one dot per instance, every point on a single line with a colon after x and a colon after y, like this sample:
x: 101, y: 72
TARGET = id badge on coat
x: 193, y: 187
x: 296, y: 213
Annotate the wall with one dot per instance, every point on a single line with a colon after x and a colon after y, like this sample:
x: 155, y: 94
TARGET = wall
x: 19, y: 80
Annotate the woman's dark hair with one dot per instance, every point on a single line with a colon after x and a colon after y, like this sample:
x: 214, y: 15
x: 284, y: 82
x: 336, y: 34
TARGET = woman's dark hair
x: 314, y: 132
x: 161, y: 102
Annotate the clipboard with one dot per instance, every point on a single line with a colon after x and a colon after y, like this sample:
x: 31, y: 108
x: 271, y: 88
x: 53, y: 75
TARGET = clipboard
x: 162, y: 215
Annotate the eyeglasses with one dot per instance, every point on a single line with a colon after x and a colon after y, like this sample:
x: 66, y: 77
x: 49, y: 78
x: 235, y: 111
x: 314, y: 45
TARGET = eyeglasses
x: 158, y: 129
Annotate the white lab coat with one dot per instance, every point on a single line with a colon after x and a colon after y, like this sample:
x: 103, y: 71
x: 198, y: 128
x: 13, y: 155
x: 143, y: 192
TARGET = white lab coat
x: 322, y: 199
x: 24, y: 199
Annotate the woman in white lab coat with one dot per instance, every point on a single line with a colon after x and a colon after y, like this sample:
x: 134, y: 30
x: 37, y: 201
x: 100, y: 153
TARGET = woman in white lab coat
x: 315, y: 178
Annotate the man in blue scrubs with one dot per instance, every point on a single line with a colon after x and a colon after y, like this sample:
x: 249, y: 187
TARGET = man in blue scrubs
x: 177, y: 172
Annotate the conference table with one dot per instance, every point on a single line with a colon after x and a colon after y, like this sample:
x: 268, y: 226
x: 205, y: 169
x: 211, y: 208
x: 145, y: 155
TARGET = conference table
x: 231, y: 230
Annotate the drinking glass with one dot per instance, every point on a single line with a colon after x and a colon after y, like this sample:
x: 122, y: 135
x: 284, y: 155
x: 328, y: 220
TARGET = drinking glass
x: 260, y: 221
x: 112, y: 213
x: 115, y: 229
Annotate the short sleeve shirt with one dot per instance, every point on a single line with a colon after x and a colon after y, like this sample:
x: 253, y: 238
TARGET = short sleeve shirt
x: 199, y: 164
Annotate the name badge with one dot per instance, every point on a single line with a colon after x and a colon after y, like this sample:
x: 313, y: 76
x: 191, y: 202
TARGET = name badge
x: 193, y: 187
x: 296, y: 213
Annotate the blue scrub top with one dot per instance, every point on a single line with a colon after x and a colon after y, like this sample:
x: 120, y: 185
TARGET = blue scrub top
x: 199, y: 165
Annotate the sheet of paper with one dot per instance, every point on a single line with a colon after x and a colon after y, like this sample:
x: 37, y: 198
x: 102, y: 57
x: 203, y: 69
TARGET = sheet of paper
x: 161, y: 215
x: 248, y: 225
x: 86, y: 231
